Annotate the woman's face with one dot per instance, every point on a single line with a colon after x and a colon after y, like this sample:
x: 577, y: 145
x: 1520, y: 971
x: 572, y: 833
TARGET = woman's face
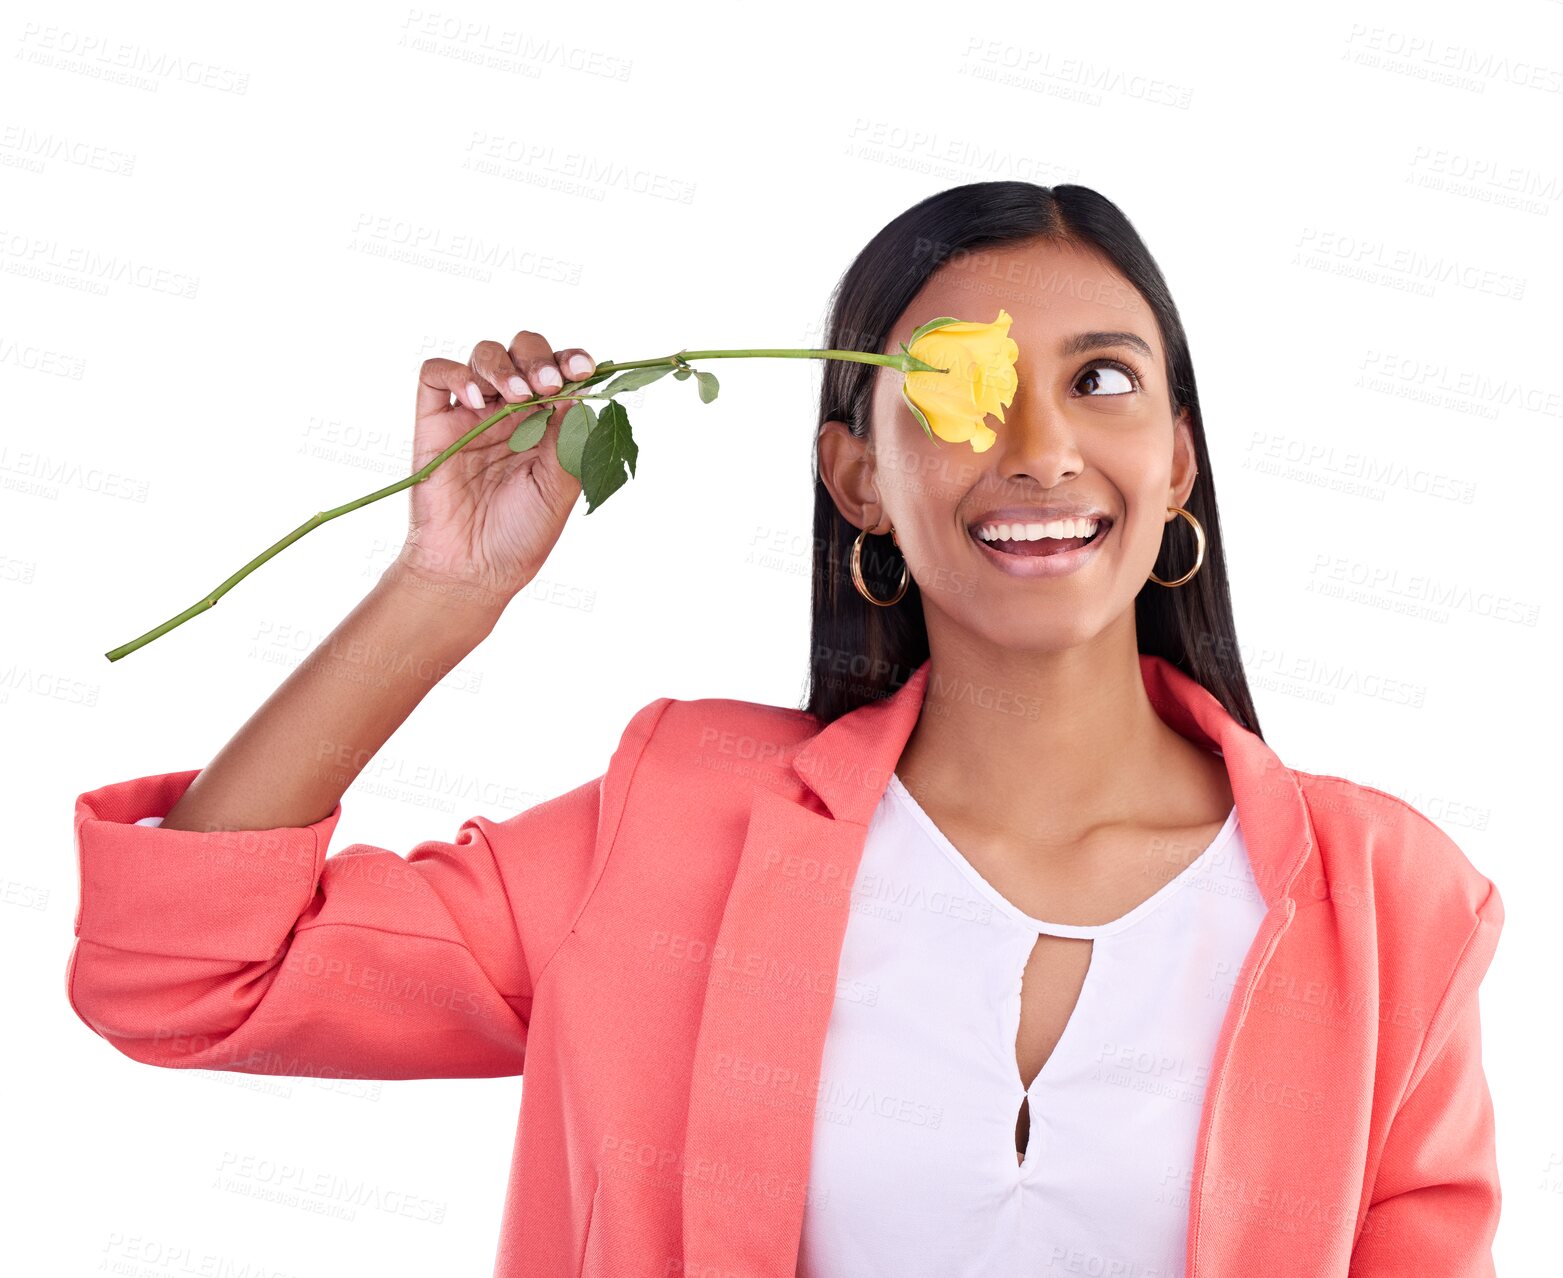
x: 1090, y: 429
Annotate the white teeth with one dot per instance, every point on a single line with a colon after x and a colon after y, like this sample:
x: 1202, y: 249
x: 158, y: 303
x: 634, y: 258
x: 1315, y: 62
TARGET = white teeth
x: 1061, y: 528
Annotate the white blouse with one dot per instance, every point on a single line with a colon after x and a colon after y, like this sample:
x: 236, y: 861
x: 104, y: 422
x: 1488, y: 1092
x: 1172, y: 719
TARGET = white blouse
x: 914, y: 1169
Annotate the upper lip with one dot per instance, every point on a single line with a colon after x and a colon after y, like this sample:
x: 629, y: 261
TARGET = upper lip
x: 1038, y: 514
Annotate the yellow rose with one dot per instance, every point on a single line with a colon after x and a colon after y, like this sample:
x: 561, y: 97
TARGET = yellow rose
x: 979, y: 360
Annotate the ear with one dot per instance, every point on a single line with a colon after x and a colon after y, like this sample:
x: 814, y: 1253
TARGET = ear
x: 1184, y: 468
x: 846, y: 468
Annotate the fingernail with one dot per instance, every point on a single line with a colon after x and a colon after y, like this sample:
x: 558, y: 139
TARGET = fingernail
x: 518, y: 387
x: 549, y: 377
x: 578, y: 365
x: 474, y: 396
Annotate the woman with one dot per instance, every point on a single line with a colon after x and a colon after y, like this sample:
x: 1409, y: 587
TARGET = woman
x: 1018, y: 949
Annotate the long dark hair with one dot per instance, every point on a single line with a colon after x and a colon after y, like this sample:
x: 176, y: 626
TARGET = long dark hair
x: 860, y: 652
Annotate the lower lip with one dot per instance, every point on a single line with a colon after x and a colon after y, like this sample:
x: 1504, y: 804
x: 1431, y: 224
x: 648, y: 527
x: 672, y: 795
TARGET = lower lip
x: 1058, y: 565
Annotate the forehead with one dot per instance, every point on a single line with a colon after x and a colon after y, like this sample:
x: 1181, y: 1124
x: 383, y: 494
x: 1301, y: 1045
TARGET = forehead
x: 1050, y: 290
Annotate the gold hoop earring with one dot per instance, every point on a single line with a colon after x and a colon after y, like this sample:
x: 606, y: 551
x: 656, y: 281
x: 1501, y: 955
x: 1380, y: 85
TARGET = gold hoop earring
x: 1199, y: 558
x: 857, y: 573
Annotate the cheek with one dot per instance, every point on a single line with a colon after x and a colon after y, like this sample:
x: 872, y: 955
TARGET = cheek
x: 1137, y: 461
x: 928, y: 478
x: 1137, y: 467
x: 1141, y: 537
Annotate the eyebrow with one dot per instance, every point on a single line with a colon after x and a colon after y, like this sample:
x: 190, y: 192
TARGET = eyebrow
x: 1082, y: 342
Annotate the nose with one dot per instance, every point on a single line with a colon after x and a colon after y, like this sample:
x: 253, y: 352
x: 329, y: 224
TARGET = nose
x: 1038, y: 443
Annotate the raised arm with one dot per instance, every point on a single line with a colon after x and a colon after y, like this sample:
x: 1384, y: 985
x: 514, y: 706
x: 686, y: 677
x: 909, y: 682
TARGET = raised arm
x: 222, y: 936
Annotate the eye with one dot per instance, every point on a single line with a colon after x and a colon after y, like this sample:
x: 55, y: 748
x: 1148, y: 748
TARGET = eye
x: 1121, y: 379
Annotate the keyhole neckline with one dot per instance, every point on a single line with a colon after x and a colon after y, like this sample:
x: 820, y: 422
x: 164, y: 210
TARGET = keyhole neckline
x: 1193, y: 870
x: 1051, y: 1066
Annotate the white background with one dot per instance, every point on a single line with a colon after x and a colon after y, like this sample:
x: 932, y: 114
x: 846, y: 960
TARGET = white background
x: 210, y: 331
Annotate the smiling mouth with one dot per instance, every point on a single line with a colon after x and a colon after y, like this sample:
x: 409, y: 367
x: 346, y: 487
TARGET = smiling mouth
x: 1042, y: 547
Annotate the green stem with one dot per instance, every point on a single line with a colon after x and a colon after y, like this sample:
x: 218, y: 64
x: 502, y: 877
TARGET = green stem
x: 570, y: 391
x: 906, y: 363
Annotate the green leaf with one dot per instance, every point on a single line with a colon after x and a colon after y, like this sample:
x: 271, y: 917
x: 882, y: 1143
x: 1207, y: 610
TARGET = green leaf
x: 708, y: 385
x: 533, y: 422
x: 635, y: 378
x: 574, y: 431
x: 682, y: 373
x: 610, y: 448
x: 929, y: 327
x: 570, y: 388
x: 918, y: 413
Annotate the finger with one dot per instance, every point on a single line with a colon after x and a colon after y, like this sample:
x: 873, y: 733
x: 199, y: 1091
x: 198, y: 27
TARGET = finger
x: 577, y: 364
x: 531, y: 353
x: 491, y: 363
x: 439, y: 379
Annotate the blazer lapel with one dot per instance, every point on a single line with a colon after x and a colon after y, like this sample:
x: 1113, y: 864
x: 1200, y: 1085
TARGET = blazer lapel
x: 773, y: 970
x: 771, y: 990
x: 1241, y: 1154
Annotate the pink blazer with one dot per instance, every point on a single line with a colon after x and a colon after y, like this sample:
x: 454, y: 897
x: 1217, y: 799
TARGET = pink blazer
x: 657, y: 950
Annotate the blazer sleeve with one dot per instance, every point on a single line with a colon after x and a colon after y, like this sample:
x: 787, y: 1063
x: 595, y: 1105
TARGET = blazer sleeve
x: 1436, y: 1197
x: 252, y: 950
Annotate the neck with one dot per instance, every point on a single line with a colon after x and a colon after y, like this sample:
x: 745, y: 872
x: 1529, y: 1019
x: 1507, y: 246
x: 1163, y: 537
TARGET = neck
x: 1054, y: 743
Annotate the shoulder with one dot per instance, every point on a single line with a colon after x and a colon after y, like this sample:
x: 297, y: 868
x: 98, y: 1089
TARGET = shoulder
x: 686, y: 741
x: 1359, y: 825
x: 675, y: 792
x: 703, y: 754
x: 1429, y: 905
